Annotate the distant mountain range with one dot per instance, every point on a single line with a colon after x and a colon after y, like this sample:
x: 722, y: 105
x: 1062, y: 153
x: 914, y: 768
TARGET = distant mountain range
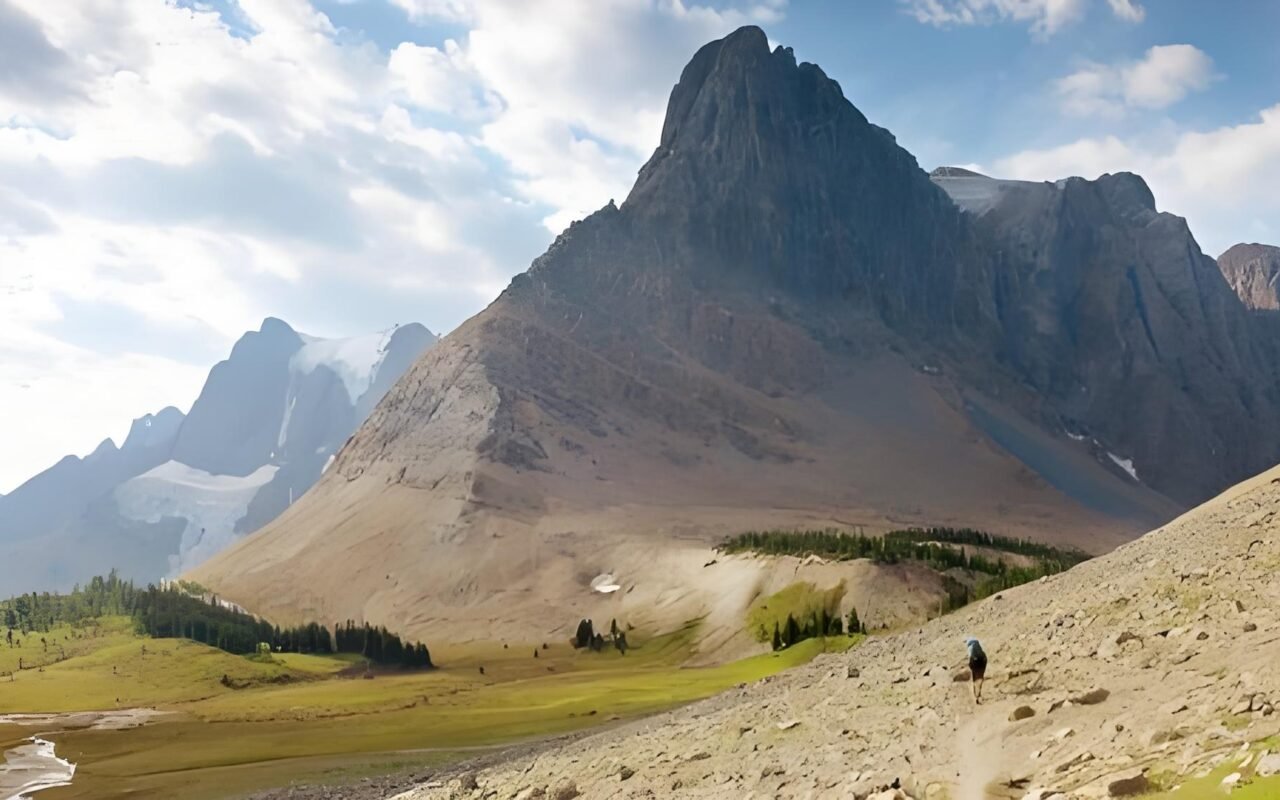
x: 180, y: 488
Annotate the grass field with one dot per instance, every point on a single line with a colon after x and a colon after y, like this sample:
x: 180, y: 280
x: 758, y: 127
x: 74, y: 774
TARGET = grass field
x: 1210, y: 787
x: 304, y: 718
x: 798, y: 601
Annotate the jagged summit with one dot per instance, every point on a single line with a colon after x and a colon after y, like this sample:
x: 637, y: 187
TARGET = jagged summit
x: 1253, y: 271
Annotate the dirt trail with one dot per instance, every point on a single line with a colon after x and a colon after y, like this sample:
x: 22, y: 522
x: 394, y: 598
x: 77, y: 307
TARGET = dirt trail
x: 979, y: 746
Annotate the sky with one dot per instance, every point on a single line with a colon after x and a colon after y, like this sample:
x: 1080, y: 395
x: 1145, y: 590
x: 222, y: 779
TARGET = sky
x: 173, y: 172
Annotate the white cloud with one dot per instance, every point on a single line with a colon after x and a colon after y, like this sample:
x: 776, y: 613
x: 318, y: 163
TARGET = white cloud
x: 63, y: 400
x: 447, y: 10
x: 1128, y: 10
x: 583, y: 88
x: 1221, y: 179
x: 1162, y: 77
x: 185, y: 173
x: 1045, y: 17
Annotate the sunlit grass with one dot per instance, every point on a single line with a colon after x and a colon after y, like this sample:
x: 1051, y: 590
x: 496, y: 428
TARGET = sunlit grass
x: 312, y: 716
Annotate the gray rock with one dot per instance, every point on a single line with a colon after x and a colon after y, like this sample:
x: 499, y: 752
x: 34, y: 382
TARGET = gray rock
x: 1129, y: 784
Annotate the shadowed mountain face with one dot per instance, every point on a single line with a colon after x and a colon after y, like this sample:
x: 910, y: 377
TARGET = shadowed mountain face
x: 1125, y: 332
x: 786, y: 323
x: 266, y: 423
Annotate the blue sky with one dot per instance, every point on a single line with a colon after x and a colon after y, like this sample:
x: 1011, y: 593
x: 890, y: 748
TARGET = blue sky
x: 172, y: 172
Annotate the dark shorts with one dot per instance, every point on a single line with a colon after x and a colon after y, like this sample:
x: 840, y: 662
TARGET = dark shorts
x: 978, y: 666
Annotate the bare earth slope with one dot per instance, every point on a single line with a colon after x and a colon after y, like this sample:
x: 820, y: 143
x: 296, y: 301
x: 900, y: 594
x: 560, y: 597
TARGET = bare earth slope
x: 1159, y: 659
x: 785, y: 324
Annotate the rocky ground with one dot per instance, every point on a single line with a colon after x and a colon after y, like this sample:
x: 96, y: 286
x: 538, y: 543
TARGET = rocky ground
x: 1154, y: 662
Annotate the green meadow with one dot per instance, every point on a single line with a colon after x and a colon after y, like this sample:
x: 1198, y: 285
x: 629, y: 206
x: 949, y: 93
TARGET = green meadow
x: 243, y: 723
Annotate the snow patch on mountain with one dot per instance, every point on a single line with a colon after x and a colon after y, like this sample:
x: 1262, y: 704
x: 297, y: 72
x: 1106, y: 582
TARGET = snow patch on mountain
x: 1125, y: 464
x: 354, y: 360
x: 210, y: 504
x: 972, y: 192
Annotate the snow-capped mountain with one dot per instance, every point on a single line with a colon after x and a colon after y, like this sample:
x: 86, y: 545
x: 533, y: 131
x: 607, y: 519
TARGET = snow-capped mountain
x: 182, y: 487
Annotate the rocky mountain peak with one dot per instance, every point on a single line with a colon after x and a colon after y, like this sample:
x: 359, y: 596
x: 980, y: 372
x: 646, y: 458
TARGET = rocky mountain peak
x: 1127, y: 192
x: 154, y: 430
x: 1253, y: 271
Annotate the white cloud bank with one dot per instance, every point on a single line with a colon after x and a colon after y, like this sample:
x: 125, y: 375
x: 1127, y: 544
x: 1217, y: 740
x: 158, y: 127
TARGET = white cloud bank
x: 1222, y: 180
x: 1162, y: 77
x: 187, y: 173
x: 1045, y: 17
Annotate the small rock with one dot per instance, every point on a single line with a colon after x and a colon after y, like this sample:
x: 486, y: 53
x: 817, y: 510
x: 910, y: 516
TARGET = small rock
x: 853, y: 672
x: 1092, y: 697
x: 1082, y: 758
x: 1064, y: 734
x: 1268, y: 765
x: 1129, y: 785
x: 788, y: 725
x: 1022, y: 712
x: 625, y: 772
x: 1175, y: 707
x: 1250, y: 627
x: 566, y: 790
x: 1242, y: 707
x: 469, y: 782
x: 1232, y: 779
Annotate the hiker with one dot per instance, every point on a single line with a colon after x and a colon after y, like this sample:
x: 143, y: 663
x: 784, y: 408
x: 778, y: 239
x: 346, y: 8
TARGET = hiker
x: 977, y: 667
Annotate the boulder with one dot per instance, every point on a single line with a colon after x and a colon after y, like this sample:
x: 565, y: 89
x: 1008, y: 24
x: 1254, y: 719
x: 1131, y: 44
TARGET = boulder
x: 1268, y: 765
x: 1092, y: 697
x: 1129, y: 784
x: 566, y: 790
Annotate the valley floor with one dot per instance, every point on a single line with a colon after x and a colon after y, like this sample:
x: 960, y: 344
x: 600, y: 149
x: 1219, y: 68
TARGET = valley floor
x: 318, y: 720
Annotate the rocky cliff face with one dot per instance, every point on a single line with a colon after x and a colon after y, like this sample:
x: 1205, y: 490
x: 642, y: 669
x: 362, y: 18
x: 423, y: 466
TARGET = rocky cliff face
x: 1253, y: 271
x: 180, y: 488
x: 1125, y: 331
x: 235, y: 422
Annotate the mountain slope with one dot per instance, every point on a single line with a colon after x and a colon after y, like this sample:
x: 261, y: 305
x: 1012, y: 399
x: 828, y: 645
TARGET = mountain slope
x: 1154, y: 662
x: 786, y: 323
x: 180, y: 488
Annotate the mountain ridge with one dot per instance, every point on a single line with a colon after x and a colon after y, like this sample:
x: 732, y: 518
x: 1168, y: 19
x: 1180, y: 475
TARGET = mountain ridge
x: 786, y: 323
x: 181, y: 486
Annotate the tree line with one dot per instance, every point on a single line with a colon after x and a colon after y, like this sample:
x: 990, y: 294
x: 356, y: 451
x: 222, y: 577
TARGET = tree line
x: 939, y: 548
x: 172, y: 612
x: 820, y: 624
x: 380, y: 646
x: 586, y: 636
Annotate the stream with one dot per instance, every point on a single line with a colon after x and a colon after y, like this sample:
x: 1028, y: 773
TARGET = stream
x: 34, y: 765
